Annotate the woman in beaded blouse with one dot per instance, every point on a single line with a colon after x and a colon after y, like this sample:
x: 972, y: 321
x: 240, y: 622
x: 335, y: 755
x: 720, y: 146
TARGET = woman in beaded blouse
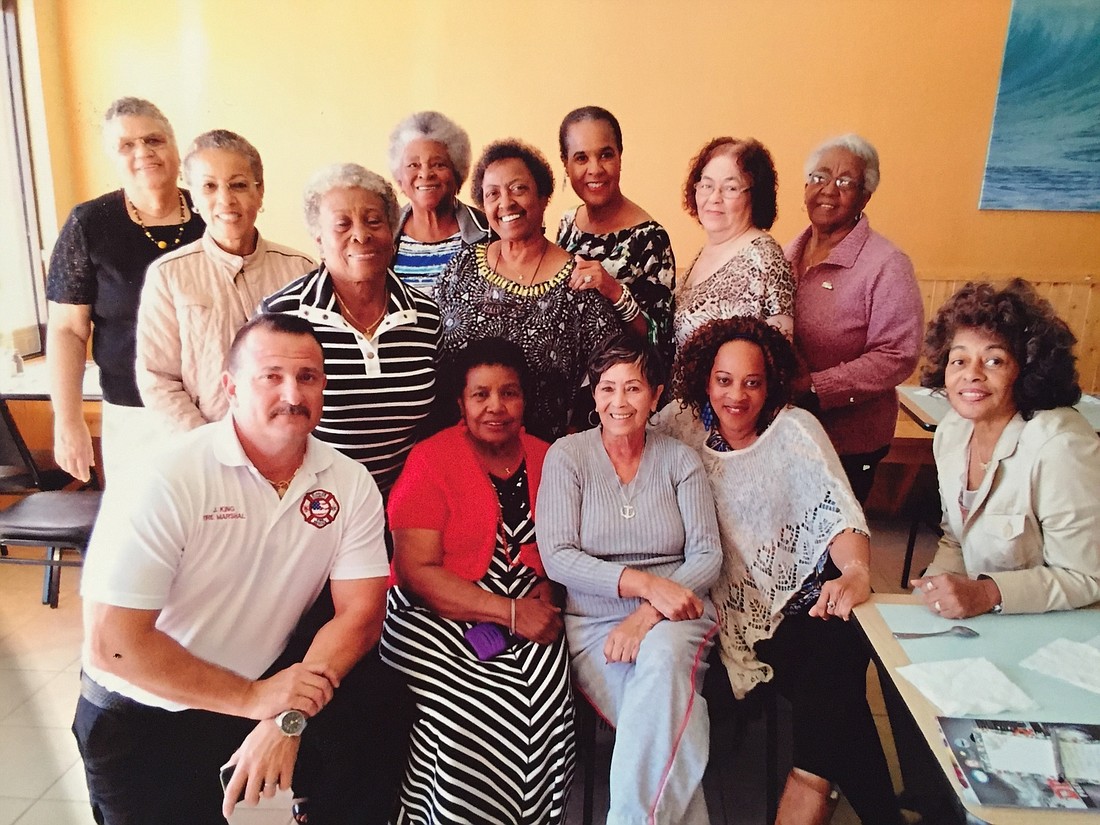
x: 518, y: 288
x: 795, y: 561
x: 731, y: 190
x: 618, y: 248
x: 94, y: 286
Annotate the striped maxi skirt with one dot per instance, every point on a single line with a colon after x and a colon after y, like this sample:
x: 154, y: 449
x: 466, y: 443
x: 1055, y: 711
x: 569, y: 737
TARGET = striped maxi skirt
x: 492, y: 741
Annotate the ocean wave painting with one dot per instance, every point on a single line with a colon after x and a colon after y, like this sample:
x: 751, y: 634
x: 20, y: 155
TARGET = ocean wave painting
x: 1044, y: 148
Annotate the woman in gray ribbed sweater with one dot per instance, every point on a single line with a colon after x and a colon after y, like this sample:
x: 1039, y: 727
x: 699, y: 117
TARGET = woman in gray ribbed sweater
x: 627, y: 524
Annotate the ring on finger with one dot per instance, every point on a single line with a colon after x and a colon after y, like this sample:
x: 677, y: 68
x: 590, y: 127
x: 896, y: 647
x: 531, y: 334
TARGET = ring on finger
x: 588, y: 279
x: 831, y: 605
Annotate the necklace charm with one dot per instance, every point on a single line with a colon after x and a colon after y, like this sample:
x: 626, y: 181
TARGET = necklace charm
x: 627, y: 511
x: 145, y: 229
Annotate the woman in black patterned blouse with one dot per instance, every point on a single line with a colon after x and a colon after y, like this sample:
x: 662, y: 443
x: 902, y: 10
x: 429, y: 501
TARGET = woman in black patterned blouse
x: 618, y: 248
x: 518, y: 288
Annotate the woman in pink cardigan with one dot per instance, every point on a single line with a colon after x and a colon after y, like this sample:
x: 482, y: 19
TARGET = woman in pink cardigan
x: 473, y: 623
x: 858, y: 314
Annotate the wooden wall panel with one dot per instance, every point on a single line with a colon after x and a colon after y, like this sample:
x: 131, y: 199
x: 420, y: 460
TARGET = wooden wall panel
x: 1077, y: 301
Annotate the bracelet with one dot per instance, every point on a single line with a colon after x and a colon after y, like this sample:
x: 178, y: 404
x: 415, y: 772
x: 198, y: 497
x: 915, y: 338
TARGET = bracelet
x: 512, y: 616
x: 626, y: 306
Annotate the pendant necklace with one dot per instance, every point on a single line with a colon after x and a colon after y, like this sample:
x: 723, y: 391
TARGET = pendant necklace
x: 281, y: 487
x: 369, y: 329
x: 626, y: 509
x: 182, y: 226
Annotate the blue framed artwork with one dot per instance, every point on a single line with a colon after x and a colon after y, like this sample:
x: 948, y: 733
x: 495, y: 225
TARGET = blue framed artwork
x: 1044, y: 148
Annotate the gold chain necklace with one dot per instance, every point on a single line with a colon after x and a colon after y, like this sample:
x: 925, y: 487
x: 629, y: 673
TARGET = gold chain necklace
x: 281, y: 487
x: 367, y: 328
x: 538, y: 266
x: 141, y: 223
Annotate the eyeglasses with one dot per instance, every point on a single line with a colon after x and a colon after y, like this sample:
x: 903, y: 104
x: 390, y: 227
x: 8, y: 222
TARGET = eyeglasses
x: 236, y: 187
x: 705, y: 188
x: 843, y: 183
x: 154, y: 141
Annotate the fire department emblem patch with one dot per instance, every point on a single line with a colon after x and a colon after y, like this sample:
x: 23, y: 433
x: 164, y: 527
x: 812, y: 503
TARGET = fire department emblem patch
x: 319, y: 508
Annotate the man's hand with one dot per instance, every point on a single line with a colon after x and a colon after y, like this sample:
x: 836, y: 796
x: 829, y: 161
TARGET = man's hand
x: 265, y: 763
x: 957, y: 597
x: 625, y: 639
x: 304, y: 687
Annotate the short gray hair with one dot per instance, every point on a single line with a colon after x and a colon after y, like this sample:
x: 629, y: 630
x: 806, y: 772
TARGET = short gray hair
x: 346, y: 176
x: 227, y: 141
x: 858, y: 146
x: 138, y: 107
x: 437, y: 127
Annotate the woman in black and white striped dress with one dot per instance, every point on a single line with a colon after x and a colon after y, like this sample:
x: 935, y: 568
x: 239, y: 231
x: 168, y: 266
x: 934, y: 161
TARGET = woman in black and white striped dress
x: 473, y: 623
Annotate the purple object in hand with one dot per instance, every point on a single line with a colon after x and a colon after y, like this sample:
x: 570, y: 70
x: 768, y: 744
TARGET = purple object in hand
x: 487, y: 639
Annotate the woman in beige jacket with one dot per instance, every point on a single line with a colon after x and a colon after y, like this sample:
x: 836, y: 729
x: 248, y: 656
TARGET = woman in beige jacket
x: 197, y: 297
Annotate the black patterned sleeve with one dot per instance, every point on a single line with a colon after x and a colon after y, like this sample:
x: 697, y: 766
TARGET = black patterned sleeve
x: 652, y: 281
x: 72, y: 276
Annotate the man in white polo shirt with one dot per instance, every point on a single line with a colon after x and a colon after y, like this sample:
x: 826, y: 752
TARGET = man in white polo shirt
x: 195, y: 581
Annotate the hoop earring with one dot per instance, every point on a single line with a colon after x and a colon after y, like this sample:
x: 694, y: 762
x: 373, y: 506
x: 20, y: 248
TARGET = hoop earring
x: 595, y: 423
x: 706, y: 415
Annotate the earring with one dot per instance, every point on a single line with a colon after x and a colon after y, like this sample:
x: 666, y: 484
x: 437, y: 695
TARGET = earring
x: 595, y: 423
x: 707, y: 416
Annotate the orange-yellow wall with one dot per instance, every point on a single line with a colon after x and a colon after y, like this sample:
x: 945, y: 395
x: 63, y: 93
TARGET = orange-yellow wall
x: 325, y: 80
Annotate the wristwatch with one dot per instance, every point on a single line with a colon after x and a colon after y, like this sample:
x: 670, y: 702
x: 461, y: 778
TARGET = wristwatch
x: 291, y: 722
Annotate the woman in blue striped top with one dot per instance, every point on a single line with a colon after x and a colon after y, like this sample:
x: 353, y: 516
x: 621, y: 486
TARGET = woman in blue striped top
x: 430, y: 159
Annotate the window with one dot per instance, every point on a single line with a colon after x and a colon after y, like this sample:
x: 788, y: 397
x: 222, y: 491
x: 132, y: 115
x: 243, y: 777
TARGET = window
x: 22, y: 307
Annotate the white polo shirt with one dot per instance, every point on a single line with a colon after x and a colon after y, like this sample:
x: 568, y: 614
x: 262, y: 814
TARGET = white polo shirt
x: 230, y: 566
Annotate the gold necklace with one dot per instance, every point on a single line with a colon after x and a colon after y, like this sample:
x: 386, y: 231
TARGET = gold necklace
x: 538, y: 266
x: 281, y: 487
x: 182, y: 225
x: 367, y: 328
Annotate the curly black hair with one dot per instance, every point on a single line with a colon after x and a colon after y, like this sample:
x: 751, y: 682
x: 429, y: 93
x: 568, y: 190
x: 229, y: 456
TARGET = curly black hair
x: 1026, y: 323
x: 691, y: 375
x: 755, y: 161
x: 506, y: 150
x: 488, y: 352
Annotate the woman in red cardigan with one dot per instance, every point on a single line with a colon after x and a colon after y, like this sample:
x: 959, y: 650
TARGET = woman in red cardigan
x: 473, y: 623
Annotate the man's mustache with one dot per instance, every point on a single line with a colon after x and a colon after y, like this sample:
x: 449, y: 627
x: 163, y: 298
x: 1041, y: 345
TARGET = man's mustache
x: 291, y: 409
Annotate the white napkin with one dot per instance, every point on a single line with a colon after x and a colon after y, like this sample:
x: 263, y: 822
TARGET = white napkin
x: 1074, y: 662
x: 966, y: 687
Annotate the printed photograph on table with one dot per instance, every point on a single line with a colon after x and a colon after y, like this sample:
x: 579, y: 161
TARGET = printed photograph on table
x: 1044, y: 147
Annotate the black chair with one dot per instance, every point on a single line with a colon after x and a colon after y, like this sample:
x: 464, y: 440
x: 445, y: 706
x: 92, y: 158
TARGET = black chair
x: 922, y: 507
x: 57, y: 520
x: 729, y: 721
x: 49, y: 512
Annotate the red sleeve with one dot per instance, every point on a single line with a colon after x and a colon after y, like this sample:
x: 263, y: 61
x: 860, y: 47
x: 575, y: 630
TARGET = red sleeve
x: 417, y: 500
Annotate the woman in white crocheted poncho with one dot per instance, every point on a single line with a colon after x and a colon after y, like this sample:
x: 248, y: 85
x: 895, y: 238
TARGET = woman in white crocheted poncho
x: 796, y: 553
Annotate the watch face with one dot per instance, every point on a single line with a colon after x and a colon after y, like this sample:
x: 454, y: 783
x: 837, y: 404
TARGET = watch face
x: 291, y: 722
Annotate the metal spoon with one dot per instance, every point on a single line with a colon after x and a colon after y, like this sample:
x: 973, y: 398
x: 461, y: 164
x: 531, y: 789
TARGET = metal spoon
x: 957, y: 630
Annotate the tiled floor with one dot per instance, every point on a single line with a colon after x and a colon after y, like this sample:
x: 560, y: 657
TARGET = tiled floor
x: 41, y: 778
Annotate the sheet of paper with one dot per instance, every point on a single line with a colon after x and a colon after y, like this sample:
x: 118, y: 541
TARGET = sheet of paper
x: 1074, y: 662
x: 1018, y: 754
x: 1081, y: 760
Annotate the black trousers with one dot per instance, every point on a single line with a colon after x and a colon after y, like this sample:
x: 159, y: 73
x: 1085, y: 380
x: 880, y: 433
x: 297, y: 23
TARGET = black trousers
x: 821, y: 669
x: 860, y: 469
x: 146, y: 765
